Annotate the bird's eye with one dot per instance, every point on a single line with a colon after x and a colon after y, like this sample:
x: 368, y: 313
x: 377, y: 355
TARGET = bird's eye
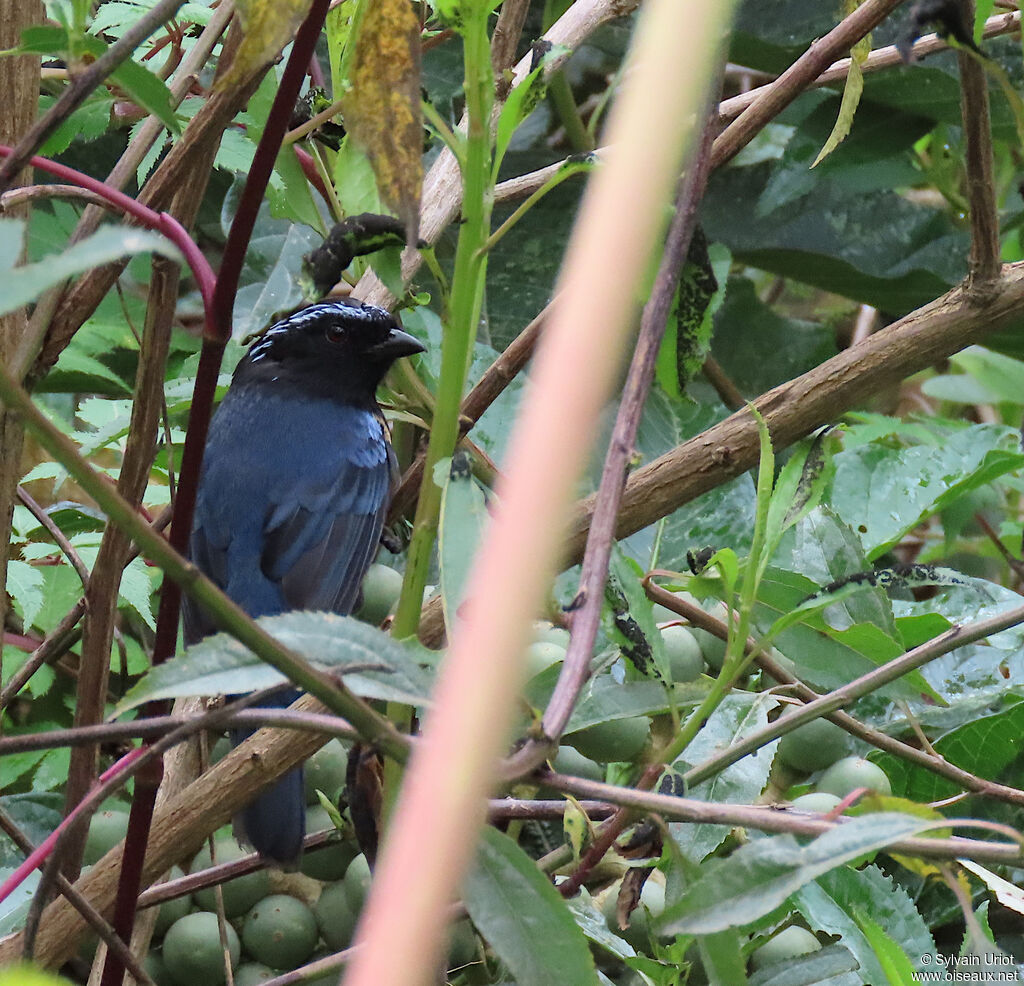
x: 335, y: 333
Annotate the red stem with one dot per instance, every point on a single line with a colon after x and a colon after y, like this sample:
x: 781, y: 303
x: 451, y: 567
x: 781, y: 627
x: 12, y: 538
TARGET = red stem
x: 162, y: 222
x: 42, y: 851
x: 219, y: 310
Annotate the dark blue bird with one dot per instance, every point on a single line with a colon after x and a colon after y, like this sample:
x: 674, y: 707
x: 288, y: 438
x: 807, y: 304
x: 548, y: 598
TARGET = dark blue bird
x: 296, y: 479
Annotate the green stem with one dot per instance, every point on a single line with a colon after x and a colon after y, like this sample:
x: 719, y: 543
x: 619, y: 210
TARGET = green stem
x: 463, y: 314
x: 560, y: 94
x: 460, y: 324
x: 552, y: 183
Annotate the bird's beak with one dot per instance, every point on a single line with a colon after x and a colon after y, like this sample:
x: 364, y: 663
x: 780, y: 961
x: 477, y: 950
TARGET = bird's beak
x: 397, y: 344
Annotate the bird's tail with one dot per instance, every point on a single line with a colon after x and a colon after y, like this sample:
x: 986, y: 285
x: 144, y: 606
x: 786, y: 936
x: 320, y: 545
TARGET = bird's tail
x: 274, y: 823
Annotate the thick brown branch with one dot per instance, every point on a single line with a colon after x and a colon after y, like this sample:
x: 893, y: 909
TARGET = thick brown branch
x: 983, y: 265
x: 795, y: 409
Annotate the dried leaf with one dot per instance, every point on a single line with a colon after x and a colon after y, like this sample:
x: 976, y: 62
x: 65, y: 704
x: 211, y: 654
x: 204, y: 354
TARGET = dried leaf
x: 267, y: 26
x: 382, y: 109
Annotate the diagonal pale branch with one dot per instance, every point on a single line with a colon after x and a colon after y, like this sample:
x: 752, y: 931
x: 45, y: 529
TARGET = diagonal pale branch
x: 442, y: 185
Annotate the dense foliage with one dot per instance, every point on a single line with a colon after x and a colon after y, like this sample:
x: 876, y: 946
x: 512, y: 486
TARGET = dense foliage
x: 865, y: 505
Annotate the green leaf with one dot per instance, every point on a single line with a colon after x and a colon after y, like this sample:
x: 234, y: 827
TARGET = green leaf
x: 26, y: 282
x: 829, y: 966
x: 25, y: 584
x: 688, y: 331
x: 630, y: 618
x: 89, y: 121
x: 722, y: 957
x: 591, y: 921
x: 461, y: 528
x: 759, y: 347
x: 148, y: 90
x: 798, y: 489
x: 896, y: 966
x: 739, y: 714
x: 852, y: 91
x: 831, y: 902
x: 759, y: 876
x: 884, y: 492
x: 826, y: 655
x: 605, y: 699
x: 524, y: 918
x: 290, y: 194
x: 374, y: 665
x: 985, y: 747
x: 520, y: 103
x: 36, y: 814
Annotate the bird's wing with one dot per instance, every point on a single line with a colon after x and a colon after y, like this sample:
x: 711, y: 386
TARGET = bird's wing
x: 323, y: 531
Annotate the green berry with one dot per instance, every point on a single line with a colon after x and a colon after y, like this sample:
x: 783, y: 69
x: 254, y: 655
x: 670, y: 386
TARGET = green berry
x: 787, y: 944
x: 850, y: 773
x: 240, y: 893
x: 330, y: 862
x: 172, y: 910
x: 615, y: 740
x: 381, y: 588
x: 540, y: 655
x: 816, y: 801
x: 192, y: 951
x: 254, y: 973
x: 813, y: 746
x: 280, y: 932
x: 106, y: 830
x: 325, y: 771
x: 686, y: 662
x: 357, y: 882
x: 336, y: 915
x: 570, y: 761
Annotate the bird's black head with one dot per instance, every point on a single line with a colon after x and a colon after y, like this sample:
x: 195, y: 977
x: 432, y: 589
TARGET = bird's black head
x: 336, y: 349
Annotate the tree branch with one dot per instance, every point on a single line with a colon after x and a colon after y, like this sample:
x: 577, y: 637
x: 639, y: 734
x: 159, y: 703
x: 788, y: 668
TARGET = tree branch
x: 83, y: 83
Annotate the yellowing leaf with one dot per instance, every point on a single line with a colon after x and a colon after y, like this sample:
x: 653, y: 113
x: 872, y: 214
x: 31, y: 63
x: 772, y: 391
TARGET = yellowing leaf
x: 267, y: 26
x: 382, y: 109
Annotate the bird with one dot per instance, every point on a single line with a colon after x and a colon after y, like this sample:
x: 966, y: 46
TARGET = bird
x: 296, y: 478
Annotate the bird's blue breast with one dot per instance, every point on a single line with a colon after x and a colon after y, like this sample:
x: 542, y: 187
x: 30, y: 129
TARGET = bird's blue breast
x: 288, y: 479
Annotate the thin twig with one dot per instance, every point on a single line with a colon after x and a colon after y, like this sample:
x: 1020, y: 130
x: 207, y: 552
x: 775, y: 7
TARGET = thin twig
x: 56, y: 533
x: 487, y: 390
x: 83, y: 83
x: 155, y: 726
x: 95, y: 919
x: 882, y: 741
x: 31, y: 193
x: 505, y: 38
x: 586, y: 619
x: 766, y: 819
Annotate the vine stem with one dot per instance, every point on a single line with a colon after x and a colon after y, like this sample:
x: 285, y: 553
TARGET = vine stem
x: 587, y: 617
